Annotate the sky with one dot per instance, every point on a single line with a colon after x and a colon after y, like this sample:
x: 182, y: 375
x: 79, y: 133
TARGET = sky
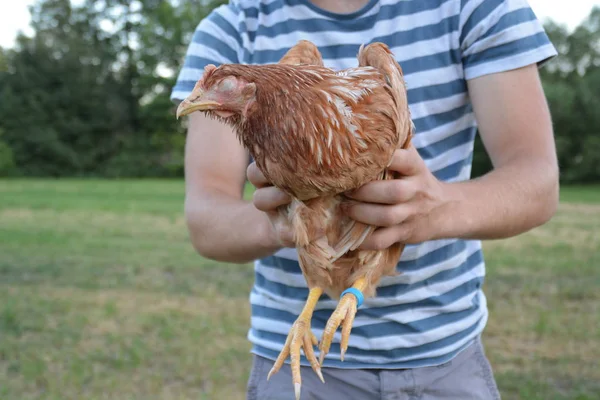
x: 14, y: 15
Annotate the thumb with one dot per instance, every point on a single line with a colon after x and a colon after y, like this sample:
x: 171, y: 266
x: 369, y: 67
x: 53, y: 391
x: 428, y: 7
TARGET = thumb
x: 256, y: 177
x: 407, y: 161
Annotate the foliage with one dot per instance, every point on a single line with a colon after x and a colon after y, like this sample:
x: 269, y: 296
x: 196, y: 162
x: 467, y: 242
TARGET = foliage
x: 572, y: 85
x: 88, y: 94
x: 7, y: 162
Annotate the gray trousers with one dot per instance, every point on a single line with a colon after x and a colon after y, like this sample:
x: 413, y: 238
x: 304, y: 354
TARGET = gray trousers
x: 466, y: 377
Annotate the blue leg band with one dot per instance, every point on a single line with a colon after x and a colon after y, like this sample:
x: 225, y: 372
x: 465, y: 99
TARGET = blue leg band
x: 357, y: 293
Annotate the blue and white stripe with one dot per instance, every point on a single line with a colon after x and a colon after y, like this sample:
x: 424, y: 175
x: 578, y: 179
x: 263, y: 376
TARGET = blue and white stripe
x: 436, y: 307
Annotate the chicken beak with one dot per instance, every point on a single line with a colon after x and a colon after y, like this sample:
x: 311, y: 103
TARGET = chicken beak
x: 188, y: 106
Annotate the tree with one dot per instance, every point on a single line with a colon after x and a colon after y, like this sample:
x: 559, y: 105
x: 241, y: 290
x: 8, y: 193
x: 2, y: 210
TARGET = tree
x: 61, y: 111
x: 86, y: 95
x: 572, y: 86
x: 160, y: 33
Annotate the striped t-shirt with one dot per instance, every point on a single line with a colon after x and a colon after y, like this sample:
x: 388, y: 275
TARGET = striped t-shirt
x: 436, y: 306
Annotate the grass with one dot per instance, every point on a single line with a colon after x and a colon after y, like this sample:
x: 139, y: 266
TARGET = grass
x: 102, y: 297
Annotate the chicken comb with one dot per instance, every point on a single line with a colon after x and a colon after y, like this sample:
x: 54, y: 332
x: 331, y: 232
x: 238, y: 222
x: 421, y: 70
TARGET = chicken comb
x: 209, y: 69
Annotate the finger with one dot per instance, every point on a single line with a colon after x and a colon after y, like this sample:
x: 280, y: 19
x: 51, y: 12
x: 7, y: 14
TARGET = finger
x: 377, y: 214
x: 256, y: 177
x: 269, y: 198
x: 407, y: 161
x: 385, y: 192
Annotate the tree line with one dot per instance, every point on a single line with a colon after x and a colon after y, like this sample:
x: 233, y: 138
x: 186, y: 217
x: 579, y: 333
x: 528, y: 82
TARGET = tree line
x: 88, y: 93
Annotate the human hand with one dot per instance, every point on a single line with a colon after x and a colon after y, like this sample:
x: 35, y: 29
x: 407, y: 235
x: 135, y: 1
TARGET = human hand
x: 268, y: 198
x: 409, y: 209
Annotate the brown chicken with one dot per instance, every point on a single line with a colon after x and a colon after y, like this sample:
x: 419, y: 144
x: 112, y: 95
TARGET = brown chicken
x: 316, y: 133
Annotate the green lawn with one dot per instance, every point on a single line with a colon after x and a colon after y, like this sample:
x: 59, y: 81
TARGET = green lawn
x: 102, y: 297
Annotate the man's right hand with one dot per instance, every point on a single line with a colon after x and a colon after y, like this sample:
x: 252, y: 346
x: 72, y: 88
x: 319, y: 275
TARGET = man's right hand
x: 268, y: 198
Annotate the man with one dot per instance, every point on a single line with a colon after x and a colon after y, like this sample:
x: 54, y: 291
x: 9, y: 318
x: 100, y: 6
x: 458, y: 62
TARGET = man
x: 467, y: 63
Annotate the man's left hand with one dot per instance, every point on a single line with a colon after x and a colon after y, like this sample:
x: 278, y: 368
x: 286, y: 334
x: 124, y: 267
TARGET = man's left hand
x: 406, y: 208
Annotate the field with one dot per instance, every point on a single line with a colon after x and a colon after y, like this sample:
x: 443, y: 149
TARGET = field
x: 102, y: 297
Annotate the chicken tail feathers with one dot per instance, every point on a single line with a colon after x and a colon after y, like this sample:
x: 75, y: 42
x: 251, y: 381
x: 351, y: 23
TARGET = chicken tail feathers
x: 379, y: 56
x: 304, y: 52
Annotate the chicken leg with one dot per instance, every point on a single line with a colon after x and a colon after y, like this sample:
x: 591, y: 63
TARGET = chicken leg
x: 344, y: 315
x: 300, y: 336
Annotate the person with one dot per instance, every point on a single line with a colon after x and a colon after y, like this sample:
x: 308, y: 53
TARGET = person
x: 470, y: 66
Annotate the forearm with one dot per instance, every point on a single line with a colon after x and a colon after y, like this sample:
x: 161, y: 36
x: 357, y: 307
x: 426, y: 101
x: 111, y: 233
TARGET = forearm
x: 228, y: 229
x: 507, y: 201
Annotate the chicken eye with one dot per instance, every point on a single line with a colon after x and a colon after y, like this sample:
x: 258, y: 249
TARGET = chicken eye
x: 227, y: 84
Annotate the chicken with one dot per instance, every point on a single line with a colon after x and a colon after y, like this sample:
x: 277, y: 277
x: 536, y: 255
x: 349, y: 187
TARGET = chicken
x: 316, y: 133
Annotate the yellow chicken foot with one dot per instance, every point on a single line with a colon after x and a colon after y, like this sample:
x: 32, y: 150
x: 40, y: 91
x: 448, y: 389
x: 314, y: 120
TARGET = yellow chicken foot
x: 300, y: 336
x: 344, y: 312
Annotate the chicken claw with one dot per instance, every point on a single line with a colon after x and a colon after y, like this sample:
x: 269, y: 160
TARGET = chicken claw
x: 344, y: 315
x: 300, y: 336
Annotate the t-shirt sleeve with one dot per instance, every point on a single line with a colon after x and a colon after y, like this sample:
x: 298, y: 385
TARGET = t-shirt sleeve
x: 216, y: 40
x: 500, y: 35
